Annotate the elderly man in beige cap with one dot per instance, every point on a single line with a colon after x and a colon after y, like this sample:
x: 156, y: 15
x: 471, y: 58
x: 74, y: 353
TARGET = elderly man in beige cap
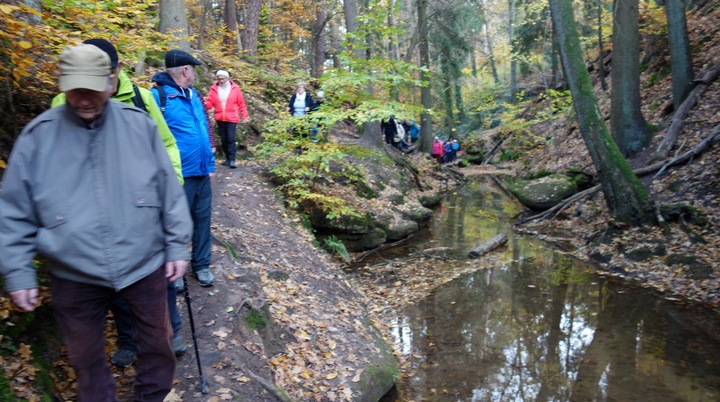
x: 90, y: 186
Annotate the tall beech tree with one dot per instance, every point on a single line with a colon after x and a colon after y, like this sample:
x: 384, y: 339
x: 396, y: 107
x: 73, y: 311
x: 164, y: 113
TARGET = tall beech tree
x: 626, y: 197
x: 680, y: 55
x: 232, y: 40
x: 627, y: 123
x: 173, y: 21
x: 252, y: 27
x: 425, y: 95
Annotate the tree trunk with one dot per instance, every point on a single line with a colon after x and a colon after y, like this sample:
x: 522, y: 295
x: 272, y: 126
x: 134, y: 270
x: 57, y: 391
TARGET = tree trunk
x: 627, y: 123
x: 680, y: 56
x: 426, y: 132
x: 601, y: 51
x: 513, y: 60
x: 318, y: 39
x: 232, y: 40
x: 173, y: 21
x: 252, y: 27
x: 488, y: 43
x: 625, y: 195
x: 351, y: 24
x: 336, y: 47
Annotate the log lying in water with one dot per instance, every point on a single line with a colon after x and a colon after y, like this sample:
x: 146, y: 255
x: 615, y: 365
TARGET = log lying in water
x: 488, y: 246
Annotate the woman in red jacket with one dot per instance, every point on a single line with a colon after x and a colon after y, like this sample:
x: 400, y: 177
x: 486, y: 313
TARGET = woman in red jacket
x: 229, y: 104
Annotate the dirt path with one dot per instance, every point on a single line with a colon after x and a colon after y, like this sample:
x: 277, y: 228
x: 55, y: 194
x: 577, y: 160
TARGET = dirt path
x: 247, y: 216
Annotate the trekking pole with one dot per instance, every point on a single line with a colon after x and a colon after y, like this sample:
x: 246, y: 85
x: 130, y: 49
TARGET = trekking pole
x: 186, y: 292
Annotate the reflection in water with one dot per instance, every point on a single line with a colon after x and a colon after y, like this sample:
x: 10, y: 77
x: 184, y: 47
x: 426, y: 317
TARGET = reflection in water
x: 539, y: 327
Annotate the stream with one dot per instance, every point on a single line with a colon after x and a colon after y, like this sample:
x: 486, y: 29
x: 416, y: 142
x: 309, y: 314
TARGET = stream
x: 542, y: 326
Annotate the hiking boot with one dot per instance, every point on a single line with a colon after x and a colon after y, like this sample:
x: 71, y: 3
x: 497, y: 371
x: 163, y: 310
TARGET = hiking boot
x: 225, y: 163
x: 178, y: 345
x: 123, y: 358
x: 232, y: 165
x: 179, y: 286
x: 205, y: 277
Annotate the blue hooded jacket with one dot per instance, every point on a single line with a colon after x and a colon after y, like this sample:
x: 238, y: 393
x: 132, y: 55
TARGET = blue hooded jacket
x: 185, y: 115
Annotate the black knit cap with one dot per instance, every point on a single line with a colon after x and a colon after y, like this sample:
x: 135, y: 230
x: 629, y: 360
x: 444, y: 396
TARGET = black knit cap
x: 177, y: 58
x: 106, y: 47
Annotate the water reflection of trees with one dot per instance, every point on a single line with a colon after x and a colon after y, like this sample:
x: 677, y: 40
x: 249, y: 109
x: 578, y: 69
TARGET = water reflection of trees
x: 538, y: 327
x: 536, y: 330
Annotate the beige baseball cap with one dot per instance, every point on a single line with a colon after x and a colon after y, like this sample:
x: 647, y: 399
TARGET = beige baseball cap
x: 84, y: 66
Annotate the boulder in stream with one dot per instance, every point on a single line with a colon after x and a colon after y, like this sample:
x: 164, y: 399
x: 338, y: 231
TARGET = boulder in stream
x: 543, y: 193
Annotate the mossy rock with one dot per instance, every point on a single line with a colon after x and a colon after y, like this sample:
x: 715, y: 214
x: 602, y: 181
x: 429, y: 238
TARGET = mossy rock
x: 363, y: 241
x: 543, y: 193
x: 401, y: 229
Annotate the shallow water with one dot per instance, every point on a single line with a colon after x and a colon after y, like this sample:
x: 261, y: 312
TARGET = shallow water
x: 540, y: 326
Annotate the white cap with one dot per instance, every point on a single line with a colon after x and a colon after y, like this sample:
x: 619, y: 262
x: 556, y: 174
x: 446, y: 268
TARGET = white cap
x: 222, y: 72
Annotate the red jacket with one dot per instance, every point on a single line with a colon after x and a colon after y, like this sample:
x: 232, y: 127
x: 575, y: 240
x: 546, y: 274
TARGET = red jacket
x: 234, y: 107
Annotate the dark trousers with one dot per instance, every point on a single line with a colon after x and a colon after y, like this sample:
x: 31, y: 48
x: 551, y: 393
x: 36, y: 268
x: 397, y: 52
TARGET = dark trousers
x: 123, y: 319
x: 227, y: 138
x: 81, y: 309
x: 199, y: 197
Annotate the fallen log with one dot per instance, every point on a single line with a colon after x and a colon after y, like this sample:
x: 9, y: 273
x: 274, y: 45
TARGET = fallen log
x: 488, y: 246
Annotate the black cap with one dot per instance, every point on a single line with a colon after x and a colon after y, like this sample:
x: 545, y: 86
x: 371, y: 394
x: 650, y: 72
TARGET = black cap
x: 177, y: 58
x: 106, y: 47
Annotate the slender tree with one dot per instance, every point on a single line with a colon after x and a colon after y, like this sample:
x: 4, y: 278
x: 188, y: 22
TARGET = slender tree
x: 625, y: 195
x: 318, y: 40
x: 174, y: 21
x: 425, y: 96
x: 513, y: 55
x: 232, y: 40
x: 627, y: 123
x: 252, y: 27
x: 680, y: 56
x: 601, y: 51
x: 351, y: 24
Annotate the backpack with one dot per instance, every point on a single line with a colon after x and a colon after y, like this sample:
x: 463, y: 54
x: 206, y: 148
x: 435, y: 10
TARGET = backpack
x: 399, y: 129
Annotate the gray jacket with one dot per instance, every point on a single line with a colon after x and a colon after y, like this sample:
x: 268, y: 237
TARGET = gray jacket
x: 102, y: 204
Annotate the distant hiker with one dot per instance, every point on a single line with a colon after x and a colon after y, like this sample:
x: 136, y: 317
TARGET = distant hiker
x: 448, y: 151
x: 300, y: 102
x: 319, y: 100
x: 186, y: 117
x: 125, y: 91
x: 438, y: 150
x: 89, y: 186
x: 389, y: 129
x: 455, y: 149
x: 227, y: 100
x: 413, y: 131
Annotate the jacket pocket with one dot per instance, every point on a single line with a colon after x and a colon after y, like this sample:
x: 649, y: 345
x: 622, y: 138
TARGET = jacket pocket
x: 146, y: 199
x: 53, y: 217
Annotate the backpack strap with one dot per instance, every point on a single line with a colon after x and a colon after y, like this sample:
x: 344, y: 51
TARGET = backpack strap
x: 138, y: 100
x: 161, y: 94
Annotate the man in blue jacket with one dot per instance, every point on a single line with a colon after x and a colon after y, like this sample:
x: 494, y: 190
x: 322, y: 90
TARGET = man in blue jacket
x: 185, y: 115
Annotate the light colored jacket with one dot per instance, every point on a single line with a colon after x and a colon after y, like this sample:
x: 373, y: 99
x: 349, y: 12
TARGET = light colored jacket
x: 235, y: 108
x: 125, y: 94
x: 101, y: 204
